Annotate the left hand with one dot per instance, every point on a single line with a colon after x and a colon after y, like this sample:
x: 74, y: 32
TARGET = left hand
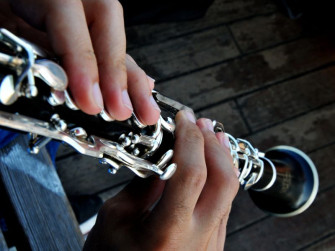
x: 194, y: 205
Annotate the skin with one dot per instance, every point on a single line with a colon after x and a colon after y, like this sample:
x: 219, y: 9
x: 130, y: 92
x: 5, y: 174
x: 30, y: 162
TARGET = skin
x: 89, y: 38
x: 188, y: 212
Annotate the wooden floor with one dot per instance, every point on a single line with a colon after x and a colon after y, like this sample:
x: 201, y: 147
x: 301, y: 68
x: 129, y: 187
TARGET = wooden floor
x: 268, y: 79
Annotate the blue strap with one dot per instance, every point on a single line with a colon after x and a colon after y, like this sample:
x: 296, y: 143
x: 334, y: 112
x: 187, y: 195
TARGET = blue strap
x: 7, y: 136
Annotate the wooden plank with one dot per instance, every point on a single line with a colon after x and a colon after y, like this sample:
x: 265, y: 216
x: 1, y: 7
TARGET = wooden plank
x: 324, y: 161
x: 325, y: 245
x: 187, y: 53
x: 288, y: 233
x: 228, y: 114
x: 82, y: 175
x: 221, y: 11
x: 38, y: 198
x: 249, y: 73
x: 243, y: 213
x: 264, y: 31
x: 289, y: 99
x: 308, y: 132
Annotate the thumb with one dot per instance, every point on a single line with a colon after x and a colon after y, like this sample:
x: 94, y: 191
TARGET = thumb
x: 138, y: 196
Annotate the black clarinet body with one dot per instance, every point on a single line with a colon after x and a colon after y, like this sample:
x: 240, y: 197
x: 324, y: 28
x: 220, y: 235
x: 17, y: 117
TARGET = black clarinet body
x: 282, y: 181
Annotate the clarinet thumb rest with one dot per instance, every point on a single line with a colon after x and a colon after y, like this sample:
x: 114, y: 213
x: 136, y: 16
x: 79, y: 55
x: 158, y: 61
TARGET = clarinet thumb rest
x: 295, y: 186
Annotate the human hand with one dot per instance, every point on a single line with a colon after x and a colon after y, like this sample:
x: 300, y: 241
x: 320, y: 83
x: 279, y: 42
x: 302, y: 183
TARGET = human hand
x: 194, y: 205
x: 89, y: 38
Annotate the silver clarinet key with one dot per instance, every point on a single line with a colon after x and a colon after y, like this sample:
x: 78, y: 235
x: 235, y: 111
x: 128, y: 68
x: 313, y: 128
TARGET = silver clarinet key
x: 282, y: 180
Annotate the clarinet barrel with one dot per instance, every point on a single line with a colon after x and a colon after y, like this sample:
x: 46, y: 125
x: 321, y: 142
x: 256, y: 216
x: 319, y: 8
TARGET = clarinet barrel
x: 289, y: 188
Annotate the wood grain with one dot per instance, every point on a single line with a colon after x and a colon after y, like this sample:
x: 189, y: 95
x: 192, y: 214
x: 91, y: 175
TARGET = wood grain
x: 250, y: 73
x: 307, y: 132
x: 289, y: 99
x: 325, y: 244
x: 187, y: 53
x: 220, y: 12
x: 265, y: 31
x: 288, y: 234
x: 39, y: 200
x: 228, y: 114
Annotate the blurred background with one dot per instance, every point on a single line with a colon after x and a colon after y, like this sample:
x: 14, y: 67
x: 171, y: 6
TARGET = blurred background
x: 266, y: 70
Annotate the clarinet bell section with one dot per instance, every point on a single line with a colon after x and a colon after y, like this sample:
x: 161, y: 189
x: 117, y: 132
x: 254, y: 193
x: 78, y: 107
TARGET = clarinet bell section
x: 283, y: 181
x: 295, y: 182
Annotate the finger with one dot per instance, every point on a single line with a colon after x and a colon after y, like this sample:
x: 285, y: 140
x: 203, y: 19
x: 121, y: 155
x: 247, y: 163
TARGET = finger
x: 108, y: 35
x: 150, y: 79
x: 175, y: 209
x: 137, y: 197
x: 221, y: 184
x: 67, y: 29
x: 224, y: 141
x: 140, y: 92
x: 151, y: 82
x: 218, y: 235
x: 222, y: 230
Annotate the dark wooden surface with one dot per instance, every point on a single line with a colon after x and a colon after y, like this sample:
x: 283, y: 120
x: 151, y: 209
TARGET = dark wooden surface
x: 268, y: 79
x: 39, y: 216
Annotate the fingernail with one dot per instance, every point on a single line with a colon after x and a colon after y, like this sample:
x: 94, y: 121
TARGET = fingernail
x: 189, y: 115
x: 97, y: 96
x: 154, y: 104
x: 226, y: 141
x: 209, y: 125
x: 151, y: 79
x: 126, y: 100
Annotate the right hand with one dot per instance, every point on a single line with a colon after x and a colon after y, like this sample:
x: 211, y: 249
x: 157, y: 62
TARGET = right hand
x: 89, y: 38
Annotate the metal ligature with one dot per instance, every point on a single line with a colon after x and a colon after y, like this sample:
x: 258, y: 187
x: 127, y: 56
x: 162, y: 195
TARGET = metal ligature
x: 282, y: 181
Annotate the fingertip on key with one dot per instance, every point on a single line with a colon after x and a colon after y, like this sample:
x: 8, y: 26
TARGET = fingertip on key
x: 154, y: 104
x: 189, y: 115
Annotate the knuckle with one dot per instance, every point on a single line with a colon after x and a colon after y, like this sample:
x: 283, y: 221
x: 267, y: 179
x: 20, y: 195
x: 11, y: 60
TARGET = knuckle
x: 211, y: 140
x: 66, y: 4
x: 88, y: 54
x: 138, y: 76
x: 117, y: 63
x: 192, y: 136
x: 229, y: 182
x: 194, y: 175
x: 120, y: 64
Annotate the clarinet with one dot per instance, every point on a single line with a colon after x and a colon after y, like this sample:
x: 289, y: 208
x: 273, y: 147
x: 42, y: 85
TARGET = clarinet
x: 282, y: 181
